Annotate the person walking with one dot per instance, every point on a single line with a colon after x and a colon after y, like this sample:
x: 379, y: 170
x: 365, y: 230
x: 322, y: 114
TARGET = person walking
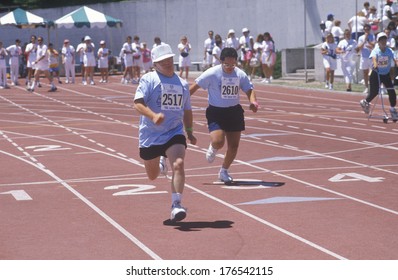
x: 163, y: 101
x: 382, y: 56
x: 53, y: 61
x: 30, y: 53
x: 41, y: 65
x: 328, y: 51
x: 225, y: 116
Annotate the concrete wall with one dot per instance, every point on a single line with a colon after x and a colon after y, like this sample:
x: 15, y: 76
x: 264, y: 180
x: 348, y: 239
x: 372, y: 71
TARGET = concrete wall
x: 170, y: 19
x: 293, y: 59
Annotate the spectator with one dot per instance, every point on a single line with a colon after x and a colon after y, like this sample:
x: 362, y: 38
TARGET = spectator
x: 366, y: 9
x: 346, y: 50
x: 157, y: 42
x: 184, y: 60
x: 327, y: 28
x: 146, y: 57
x: 268, y: 57
x: 103, y: 61
x: 328, y: 50
x: 88, y: 60
x: 208, y: 51
x: 127, y: 54
x: 373, y: 19
x: 80, y: 53
x: 255, y: 61
x: 246, y: 42
x: 337, y: 32
x: 365, y: 45
x: 357, y: 24
x: 232, y: 41
x: 30, y: 52
x: 14, y: 52
x: 3, y: 67
x: 137, y: 59
x: 68, y: 59
x: 217, y: 52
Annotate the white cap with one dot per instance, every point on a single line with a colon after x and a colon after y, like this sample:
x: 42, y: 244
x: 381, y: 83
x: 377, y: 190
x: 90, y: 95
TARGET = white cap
x: 161, y: 52
x: 380, y: 35
x: 231, y: 31
x: 102, y: 42
x: 87, y: 38
x: 245, y: 30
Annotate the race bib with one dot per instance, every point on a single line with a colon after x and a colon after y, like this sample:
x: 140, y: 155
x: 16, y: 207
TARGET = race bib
x: 171, y: 97
x: 229, y: 87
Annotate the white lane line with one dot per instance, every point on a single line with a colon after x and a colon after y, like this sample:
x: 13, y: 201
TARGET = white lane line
x: 269, y: 224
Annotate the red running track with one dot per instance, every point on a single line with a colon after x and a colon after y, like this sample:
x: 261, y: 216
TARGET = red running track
x: 321, y: 180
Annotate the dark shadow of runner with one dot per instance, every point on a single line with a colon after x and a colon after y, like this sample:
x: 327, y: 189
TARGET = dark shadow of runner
x: 196, y: 226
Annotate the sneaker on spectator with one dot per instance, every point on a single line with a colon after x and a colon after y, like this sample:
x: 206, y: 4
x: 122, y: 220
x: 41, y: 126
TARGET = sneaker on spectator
x: 211, y: 154
x: 365, y: 106
x: 331, y: 86
x: 163, y: 165
x: 178, y: 213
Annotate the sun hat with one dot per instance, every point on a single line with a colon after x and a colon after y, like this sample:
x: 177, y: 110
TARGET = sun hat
x: 161, y: 52
x: 87, y: 38
x: 381, y: 35
x: 231, y: 31
x: 66, y: 41
x: 245, y: 30
x: 102, y: 42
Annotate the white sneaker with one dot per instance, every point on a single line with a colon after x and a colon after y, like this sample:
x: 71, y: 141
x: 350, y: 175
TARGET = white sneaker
x: 178, y: 213
x: 211, y: 154
x: 327, y: 85
x: 84, y: 83
x: 224, y: 176
x: 122, y: 81
x: 366, y: 91
x: 163, y: 165
x: 365, y: 106
x: 331, y: 86
x: 92, y: 83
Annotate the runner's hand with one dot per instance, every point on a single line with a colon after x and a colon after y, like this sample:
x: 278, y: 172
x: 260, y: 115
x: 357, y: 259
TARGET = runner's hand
x: 158, y: 118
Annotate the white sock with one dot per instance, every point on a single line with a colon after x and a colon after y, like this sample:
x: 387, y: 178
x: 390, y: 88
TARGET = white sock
x: 176, y: 198
x: 223, y: 169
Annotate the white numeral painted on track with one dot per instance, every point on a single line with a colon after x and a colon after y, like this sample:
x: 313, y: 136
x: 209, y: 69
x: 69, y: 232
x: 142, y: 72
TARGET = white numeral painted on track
x: 133, y: 189
x: 46, y: 148
x: 19, y: 195
x: 350, y: 177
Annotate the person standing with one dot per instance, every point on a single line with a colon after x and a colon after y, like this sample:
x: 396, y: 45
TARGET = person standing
x: 80, y: 52
x: 268, y: 57
x: 208, y: 51
x: 184, y: 59
x: 68, y: 59
x: 103, y: 64
x: 232, y: 41
x: 127, y: 54
x: 163, y: 101
x: 146, y: 57
x: 225, y: 115
x: 382, y: 56
x: 137, y: 59
x: 3, y: 67
x: 247, y: 43
x: 88, y: 60
x: 14, y: 52
x: 30, y: 52
x: 41, y: 65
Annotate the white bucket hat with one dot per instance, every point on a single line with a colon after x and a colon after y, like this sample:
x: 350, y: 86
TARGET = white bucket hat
x: 161, y: 52
x: 87, y: 38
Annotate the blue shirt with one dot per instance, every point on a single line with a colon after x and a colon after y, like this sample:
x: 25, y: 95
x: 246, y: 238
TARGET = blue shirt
x: 167, y: 95
x: 384, y: 59
x: 223, y: 89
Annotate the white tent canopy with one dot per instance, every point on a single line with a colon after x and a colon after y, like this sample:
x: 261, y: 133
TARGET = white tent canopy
x: 86, y: 16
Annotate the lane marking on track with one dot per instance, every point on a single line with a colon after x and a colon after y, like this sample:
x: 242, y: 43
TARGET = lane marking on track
x: 82, y: 198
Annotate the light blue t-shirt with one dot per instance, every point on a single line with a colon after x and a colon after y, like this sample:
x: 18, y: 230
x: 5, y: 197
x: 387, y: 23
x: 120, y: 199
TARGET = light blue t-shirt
x: 169, y: 95
x: 384, y: 59
x: 223, y: 89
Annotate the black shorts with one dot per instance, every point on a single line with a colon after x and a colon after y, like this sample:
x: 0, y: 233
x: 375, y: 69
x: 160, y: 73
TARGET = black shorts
x: 160, y: 150
x: 228, y: 119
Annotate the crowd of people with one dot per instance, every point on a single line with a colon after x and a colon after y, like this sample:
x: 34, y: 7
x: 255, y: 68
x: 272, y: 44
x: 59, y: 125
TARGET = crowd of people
x: 373, y: 39
x: 134, y: 56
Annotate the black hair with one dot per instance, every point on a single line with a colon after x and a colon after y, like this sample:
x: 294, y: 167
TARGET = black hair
x: 228, y: 52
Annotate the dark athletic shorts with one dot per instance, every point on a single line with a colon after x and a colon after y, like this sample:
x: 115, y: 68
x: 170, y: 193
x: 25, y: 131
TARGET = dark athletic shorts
x: 160, y: 150
x: 228, y: 119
